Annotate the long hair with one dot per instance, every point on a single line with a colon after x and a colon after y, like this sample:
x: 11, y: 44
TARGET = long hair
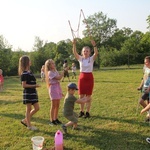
x: 24, y: 64
x: 46, y: 70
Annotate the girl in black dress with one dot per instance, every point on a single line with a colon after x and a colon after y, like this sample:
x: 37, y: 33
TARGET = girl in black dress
x: 30, y: 96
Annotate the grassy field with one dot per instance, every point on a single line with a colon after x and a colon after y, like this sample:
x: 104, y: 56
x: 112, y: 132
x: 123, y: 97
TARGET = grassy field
x: 116, y: 124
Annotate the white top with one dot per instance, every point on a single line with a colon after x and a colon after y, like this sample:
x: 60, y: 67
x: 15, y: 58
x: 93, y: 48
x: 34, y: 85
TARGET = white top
x: 86, y: 64
x: 73, y: 68
x: 146, y: 73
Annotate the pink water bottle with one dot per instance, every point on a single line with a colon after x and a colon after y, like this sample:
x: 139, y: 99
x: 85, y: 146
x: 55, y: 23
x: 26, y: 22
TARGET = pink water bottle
x: 58, y: 140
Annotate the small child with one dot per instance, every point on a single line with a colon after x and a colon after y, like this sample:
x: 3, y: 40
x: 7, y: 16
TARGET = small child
x: 1, y: 80
x: 73, y: 70
x: 66, y: 71
x: 69, y: 102
x: 42, y: 73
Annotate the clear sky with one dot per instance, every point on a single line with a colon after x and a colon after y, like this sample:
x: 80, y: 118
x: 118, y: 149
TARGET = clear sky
x: 22, y: 20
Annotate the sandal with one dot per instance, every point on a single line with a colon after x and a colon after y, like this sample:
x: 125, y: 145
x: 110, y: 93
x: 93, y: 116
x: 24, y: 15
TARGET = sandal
x: 22, y: 121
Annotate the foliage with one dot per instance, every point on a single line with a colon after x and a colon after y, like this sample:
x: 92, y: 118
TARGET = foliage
x: 116, y: 47
x: 100, y: 27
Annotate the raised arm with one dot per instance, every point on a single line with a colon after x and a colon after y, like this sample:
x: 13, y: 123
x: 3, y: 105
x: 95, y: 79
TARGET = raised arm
x: 74, y: 49
x: 95, y: 49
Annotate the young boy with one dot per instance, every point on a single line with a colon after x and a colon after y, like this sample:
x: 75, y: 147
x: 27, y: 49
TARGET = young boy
x: 66, y: 71
x: 69, y: 102
x: 145, y: 95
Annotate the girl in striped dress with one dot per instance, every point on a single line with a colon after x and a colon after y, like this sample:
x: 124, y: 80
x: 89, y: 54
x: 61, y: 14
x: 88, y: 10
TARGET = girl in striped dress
x: 30, y: 97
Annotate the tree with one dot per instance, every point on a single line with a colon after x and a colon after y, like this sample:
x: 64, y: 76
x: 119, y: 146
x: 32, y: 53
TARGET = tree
x: 148, y: 21
x: 5, y: 55
x: 100, y: 27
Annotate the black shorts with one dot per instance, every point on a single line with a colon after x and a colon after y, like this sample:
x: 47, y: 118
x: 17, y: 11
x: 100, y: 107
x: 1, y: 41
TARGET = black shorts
x: 66, y: 74
x: 145, y: 96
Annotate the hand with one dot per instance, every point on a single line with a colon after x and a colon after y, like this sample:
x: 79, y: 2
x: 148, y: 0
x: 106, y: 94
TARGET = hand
x: 37, y: 85
x: 142, y: 111
x: 74, y: 42
x: 139, y: 88
x: 93, y: 43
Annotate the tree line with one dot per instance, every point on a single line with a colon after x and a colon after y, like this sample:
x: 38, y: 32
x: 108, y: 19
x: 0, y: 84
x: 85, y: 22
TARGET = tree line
x: 116, y: 47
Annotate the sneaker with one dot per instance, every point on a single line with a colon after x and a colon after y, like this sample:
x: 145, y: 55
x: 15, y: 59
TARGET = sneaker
x: 148, y: 140
x: 147, y: 120
x: 87, y: 115
x: 58, y: 122
x: 53, y: 123
x: 64, y: 128
x: 81, y: 114
x: 33, y: 128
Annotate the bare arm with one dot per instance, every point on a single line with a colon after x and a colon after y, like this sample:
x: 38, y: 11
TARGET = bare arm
x: 141, y: 85
x: 145, y: 109
x: 25, y: 85
x: 74, y: 49
x: 95, y: 49
x: 82, y: 100
x: 59, y: 76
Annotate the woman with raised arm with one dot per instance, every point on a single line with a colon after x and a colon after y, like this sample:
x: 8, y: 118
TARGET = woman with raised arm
x: 86, y: 79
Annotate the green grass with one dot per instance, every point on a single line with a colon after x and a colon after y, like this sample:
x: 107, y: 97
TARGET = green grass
x: 115, y: 123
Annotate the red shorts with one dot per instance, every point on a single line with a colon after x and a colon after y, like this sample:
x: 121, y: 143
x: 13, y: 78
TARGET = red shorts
x: 85, y: 83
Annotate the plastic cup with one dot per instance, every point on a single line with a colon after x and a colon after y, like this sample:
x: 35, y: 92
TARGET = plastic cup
x: 37, y: 142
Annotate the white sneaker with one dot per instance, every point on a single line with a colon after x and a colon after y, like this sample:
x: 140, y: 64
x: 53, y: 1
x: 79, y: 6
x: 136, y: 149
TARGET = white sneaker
x: 33, y: 128
x: 148, y: 140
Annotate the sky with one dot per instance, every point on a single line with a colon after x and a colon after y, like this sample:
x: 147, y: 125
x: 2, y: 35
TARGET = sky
x: 23, y: 20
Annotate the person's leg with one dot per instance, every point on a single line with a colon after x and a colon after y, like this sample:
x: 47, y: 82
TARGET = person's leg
x: 56, y: 110
x: 81, y: 107
x: 28, y: 117
x: 70, y: 123
x: 88, y: 107
x: 67, y: 74
x: 35, y: 109
x: 88, y: 104
x: 144, y: 97
x: 142, y: 103
x: 63, y: 79
x: 52, y: 117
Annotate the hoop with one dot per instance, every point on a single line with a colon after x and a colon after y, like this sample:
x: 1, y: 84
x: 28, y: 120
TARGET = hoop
x: 73, y: 31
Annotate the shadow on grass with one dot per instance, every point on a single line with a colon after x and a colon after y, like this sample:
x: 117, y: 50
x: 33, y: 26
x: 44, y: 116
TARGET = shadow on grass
x: 20, y: 117
x: 113, y: 140
x: 121, y: 120
x: 5, y: 102
x: 100, y: 139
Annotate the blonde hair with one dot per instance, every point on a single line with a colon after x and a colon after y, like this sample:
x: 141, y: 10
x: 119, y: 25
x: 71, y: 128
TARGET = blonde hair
x: 24, y: 64
x: 47, y: 69
x: 86, y: 47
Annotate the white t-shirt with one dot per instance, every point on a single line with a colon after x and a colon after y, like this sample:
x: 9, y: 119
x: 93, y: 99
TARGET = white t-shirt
x: 146, y: 73
x: 86, y: 64
x: 73, y: 68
